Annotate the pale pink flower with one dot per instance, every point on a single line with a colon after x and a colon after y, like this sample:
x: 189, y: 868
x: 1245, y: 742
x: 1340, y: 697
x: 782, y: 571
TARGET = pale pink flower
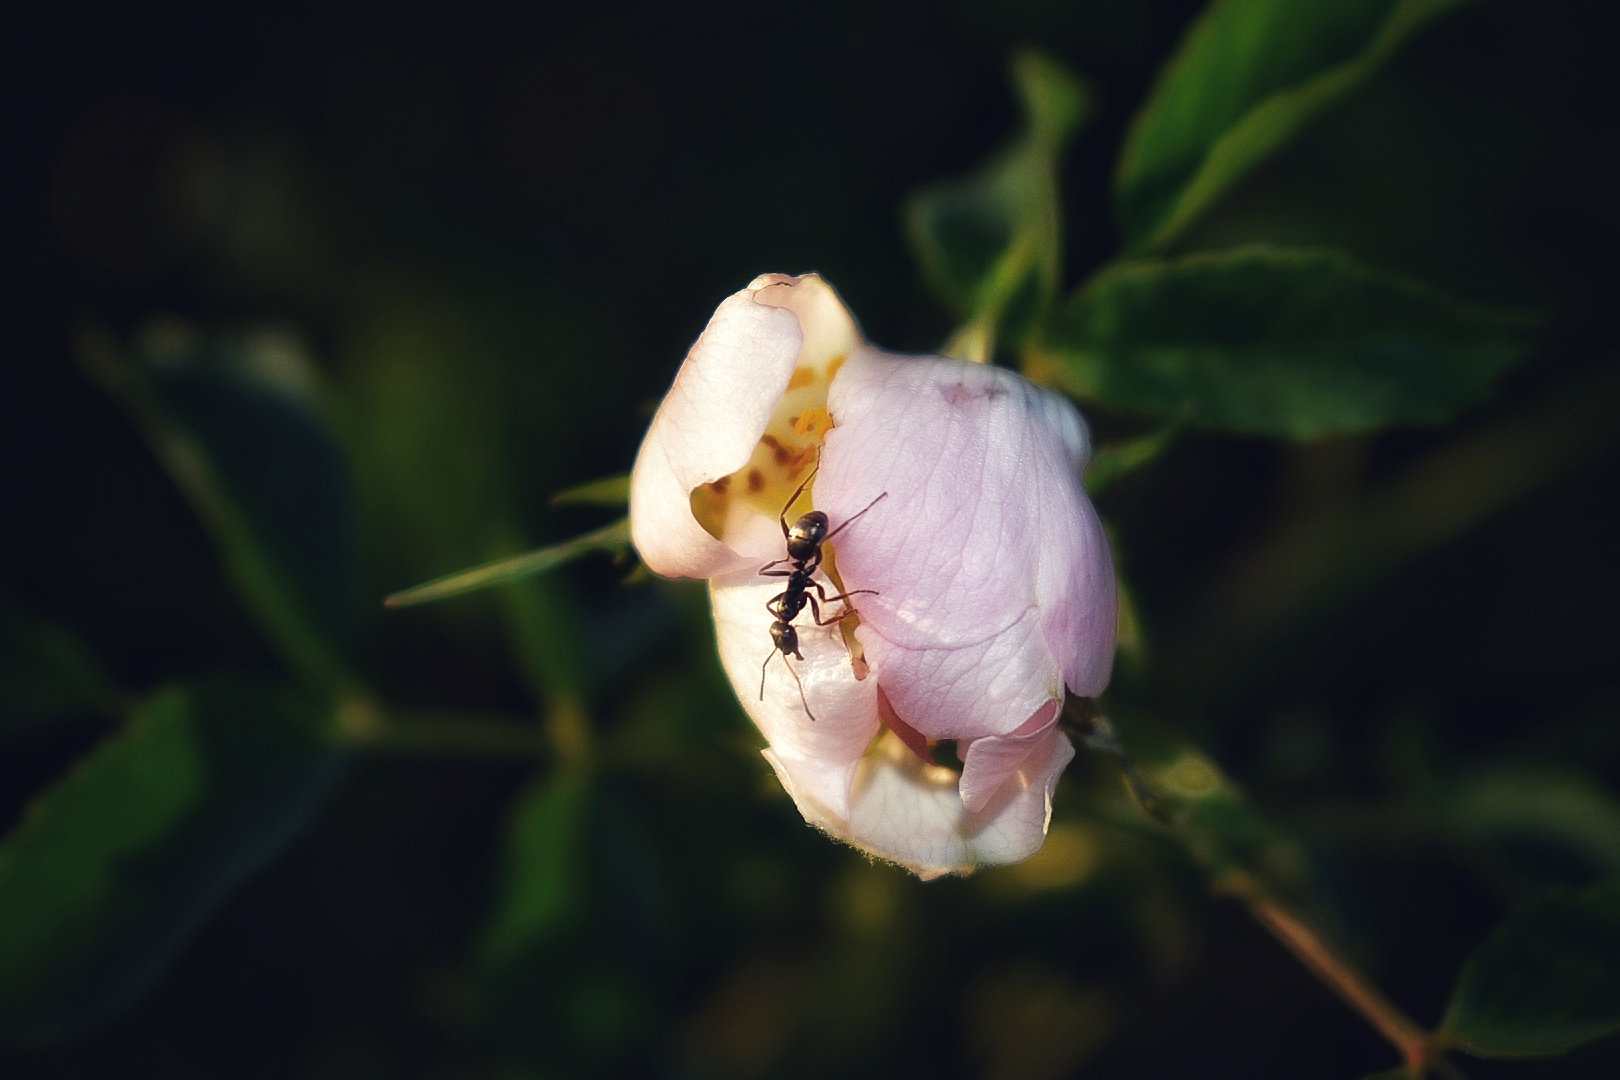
x: 992, y: 587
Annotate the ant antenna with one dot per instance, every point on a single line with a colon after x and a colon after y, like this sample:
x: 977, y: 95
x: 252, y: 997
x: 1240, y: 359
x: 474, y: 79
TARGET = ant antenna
x: 804, y: 484
x: 852, y: 520
x: 802, y: 699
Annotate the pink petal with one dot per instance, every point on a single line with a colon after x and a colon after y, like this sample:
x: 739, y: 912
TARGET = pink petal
x: 994, y: 582
x: 987, y: 763
x: 706, y: 428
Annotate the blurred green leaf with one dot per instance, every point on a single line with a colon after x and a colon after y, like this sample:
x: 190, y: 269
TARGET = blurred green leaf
x: 1542, y: 827
x: 1545, y: 982
x: 46, y: 673
x: 543, y: 627
x: 614, y: 537
x: 991, y: 242
x: 1276, y: 342
x: 422, y: 401
x: 1248, y: 77
x: 119, y: 862
x: 608, y: 491
x: 1110, y: 463
x: 542, y: 888
x: 234, y: 421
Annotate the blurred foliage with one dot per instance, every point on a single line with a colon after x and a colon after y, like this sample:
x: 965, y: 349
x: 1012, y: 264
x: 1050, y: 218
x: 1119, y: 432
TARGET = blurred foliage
x: 46, y: 673
x: 313, y: 303
x: 117, y: 864
x: 1248, y: 76
x: 1546, y: 981
x: 1263, y: 341
x: 991, y: 243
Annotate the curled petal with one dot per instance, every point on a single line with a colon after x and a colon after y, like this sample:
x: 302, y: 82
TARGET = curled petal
x: 988, y: 762
x: 707, y: 428
x: 909, y: 812
x: 829, y: 329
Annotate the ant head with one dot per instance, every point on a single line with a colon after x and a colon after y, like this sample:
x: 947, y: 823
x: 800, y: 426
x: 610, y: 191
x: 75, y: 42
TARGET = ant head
x: 806, y: 535
x: 785, y: 637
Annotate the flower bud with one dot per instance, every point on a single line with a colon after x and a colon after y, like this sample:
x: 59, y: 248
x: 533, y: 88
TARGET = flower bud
x: 981, y: 585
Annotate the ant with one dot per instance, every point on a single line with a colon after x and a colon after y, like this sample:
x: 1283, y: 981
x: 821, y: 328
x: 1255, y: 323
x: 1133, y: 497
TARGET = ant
x: 804, y: 540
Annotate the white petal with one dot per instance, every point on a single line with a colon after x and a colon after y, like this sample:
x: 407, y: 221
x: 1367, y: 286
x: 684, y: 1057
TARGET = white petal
x: 909, y: 812
x: 819, y: 754
x: 706, y: 428
x: 829, y: 329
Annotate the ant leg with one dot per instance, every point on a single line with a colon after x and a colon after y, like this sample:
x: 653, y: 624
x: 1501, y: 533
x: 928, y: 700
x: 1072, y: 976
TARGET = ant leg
x: 766, y: 571
x: 852, y: 520
x: 802, y: 699
x: 825, y: 599
x: 815, y: 609
x: 774, y: 605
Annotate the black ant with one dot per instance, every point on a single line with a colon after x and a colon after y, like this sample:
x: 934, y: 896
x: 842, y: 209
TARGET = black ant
x: 804, y: 540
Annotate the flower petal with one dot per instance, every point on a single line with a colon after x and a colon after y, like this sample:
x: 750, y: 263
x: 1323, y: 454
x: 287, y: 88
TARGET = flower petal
x: 829, y: 329
x: 909, y: 812
x: 994, y: 585
x: 967, y: 692
x: 706, y: 428
x: 819, y: 754
x: 988, y: 762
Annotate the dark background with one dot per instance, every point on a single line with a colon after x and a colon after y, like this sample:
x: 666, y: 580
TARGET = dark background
x: 496, y: 228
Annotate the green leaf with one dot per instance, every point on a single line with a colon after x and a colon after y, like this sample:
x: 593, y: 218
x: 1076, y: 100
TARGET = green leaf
x: 423, y: 402
x: 543, y: 876
x: 614, y: 537
x: 234, y: 421
x: 1249, y: 76
x: 1277, y: 342
x: 118, y: 863
x: 1536, y: 826
x: 542, y: 630
x: 991, y: 242
x: 1110, y: 463
x: 46, y: 673
x: 608, y: 491
x: 1545, y: 982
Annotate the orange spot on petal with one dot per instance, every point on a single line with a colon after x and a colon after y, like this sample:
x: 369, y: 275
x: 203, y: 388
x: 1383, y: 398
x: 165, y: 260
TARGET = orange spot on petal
x: 778, y: 451
x: 801, y: 377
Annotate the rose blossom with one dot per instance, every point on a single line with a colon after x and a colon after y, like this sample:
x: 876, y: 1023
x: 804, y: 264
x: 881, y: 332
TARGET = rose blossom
x: 992, y: 590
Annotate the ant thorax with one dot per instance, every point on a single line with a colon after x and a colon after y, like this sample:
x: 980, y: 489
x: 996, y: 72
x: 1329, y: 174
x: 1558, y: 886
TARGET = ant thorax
x: 805, y: 537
